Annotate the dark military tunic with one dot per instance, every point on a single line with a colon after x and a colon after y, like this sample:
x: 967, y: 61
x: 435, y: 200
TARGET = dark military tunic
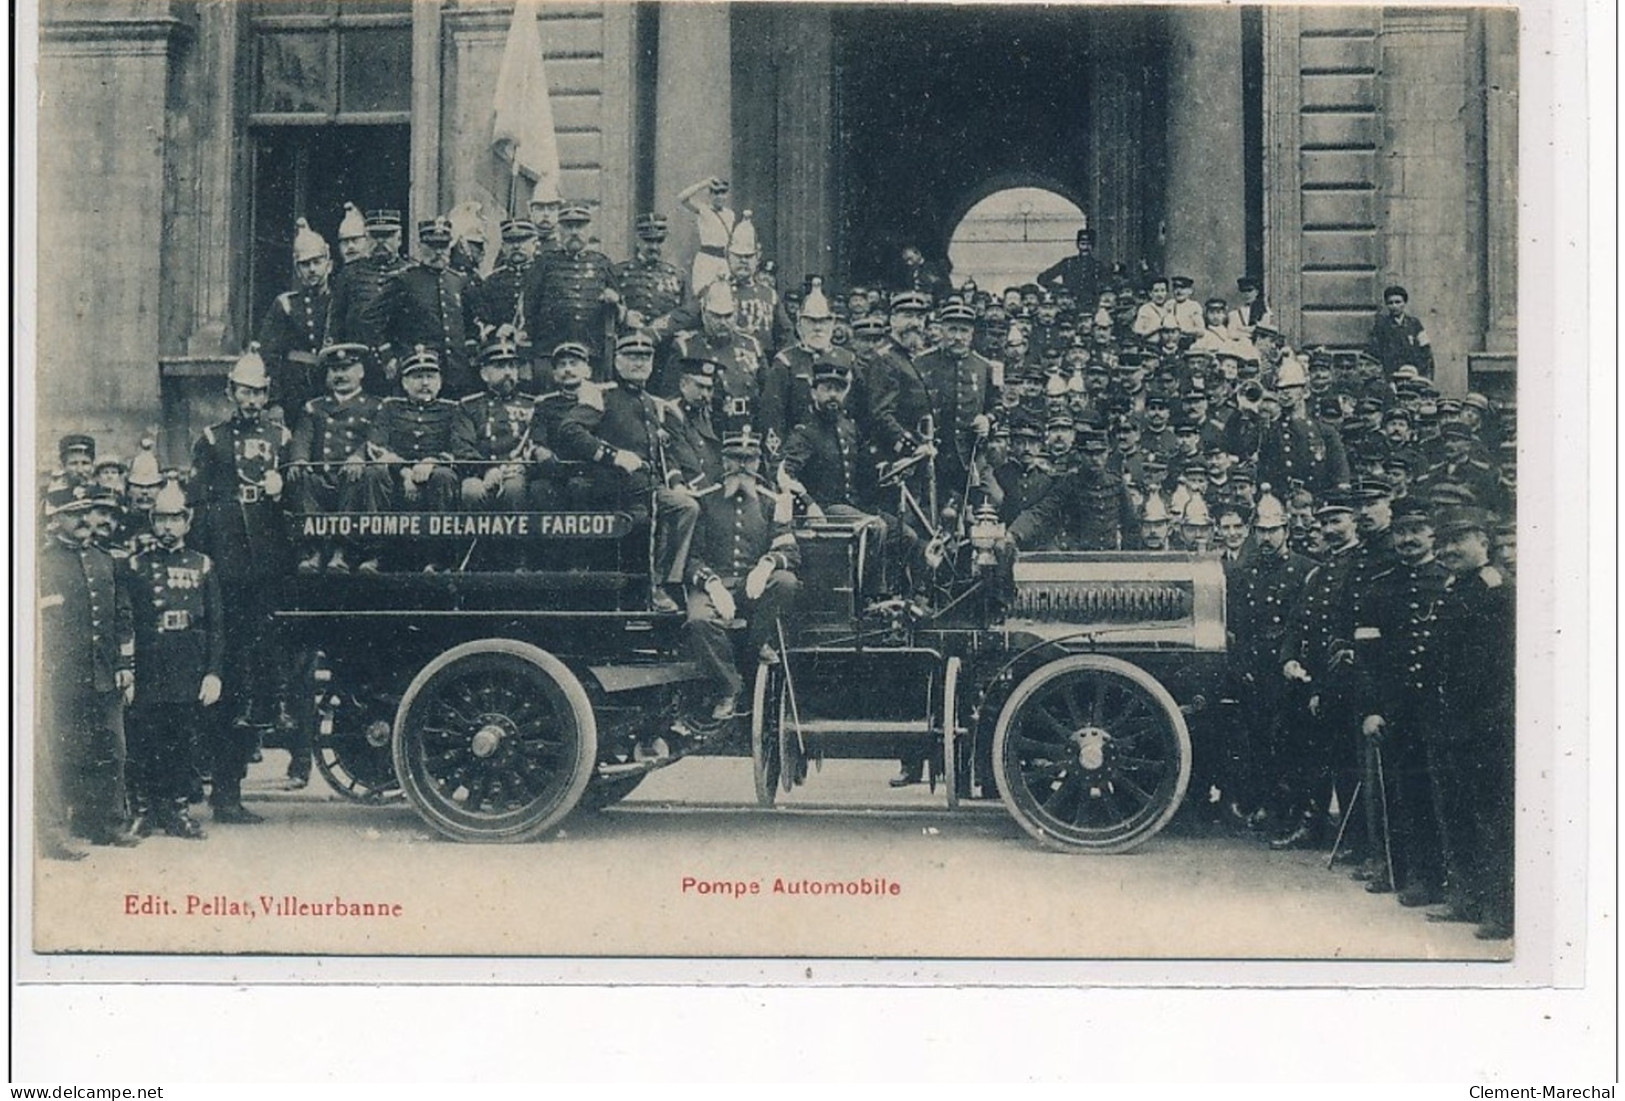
x: 787, y: 390
x: 1023, y: 485
x: 824, y: 454
x: 489, y: 426
x: 411, y: 431
x: 355, y: 288
x: 740, y: 370
x: 87, y: 633
x: 414, y: 430
x: 1478, y: 476
x: 290, y: 336
x: 238, y: 523
x: 960, y: 391
x: 697, y: 446
x: 651, y: 287
x: 497, y: 298
x: 332, y: 430
x: 179, y: 632
x: 423, y: 305
x: 758, y: 312
x: 1298, y: 451
x: 735, y: 530
x: 1084, y: 510
x: 562, y: 299
x: 614, y: 417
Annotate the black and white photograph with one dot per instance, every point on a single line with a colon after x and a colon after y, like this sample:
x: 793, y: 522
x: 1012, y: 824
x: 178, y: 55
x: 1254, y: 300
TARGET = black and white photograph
x: 772, y: 481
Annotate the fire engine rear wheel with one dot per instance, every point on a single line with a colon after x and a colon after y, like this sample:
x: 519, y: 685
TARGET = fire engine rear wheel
x: 356, y: 763
x: 495, y: 741
x: 764, y: 734
x: 1091, y: 754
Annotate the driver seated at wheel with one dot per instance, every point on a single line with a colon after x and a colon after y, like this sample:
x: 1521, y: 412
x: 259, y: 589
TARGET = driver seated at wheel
x: 621, y: 430
x: 741, y: 571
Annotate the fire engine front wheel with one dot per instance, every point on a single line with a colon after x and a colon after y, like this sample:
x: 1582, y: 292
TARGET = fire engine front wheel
x: 495, y: 741
x: 1091, y: 754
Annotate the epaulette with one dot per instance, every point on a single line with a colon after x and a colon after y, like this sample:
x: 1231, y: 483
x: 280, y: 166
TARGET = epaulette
x: 285, y: 300
x: 397, y: 399
x: 592, y: 394
x: 310, y: 406
x: 471, y: 398
x: 1491, y: 577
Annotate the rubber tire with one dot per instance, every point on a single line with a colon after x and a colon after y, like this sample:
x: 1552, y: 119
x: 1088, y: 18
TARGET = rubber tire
x: 533, y: 821
x: 1099, y: 664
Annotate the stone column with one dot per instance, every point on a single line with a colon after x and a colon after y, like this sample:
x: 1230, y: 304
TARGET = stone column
x: 103, y: 78
x: 1501, y: 164
x: 1205, y: 187
x: 1117, y: 124
x: 806, y: 133
x: 1283, y: 200
x: 426, y: 67
x: 693, y: 112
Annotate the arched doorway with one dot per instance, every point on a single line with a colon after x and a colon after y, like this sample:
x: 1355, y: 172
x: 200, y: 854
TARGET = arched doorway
x: 1012, y: 234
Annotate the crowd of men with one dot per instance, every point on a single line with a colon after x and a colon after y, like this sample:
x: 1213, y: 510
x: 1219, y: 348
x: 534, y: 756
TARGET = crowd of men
x: 1365, y: 519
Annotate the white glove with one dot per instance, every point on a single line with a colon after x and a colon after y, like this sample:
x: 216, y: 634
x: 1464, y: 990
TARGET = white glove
x: 628, y: 462
x: 722, y: 598
x: 124, y: 679
x: 208, y: 694
x: 1293, y: 670
x: 756, y: 581
x: 1373, y: 726
x: 273, y: 483
x: 420, y: 472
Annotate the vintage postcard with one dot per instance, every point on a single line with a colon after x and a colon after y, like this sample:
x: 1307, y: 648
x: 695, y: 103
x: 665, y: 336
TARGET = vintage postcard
x: 963, y: 488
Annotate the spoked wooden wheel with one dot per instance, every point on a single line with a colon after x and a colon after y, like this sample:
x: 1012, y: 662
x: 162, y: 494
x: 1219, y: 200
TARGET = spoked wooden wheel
x: 1091, y: 754
x: 495, y: 741
x: 764, y: 734
x: 354, y: 754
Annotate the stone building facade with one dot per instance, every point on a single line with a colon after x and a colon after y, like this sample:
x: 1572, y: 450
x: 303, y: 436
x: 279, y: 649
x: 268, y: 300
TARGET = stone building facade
x: 1332, y: 149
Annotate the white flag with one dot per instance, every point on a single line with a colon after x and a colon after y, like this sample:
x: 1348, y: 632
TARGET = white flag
x: 522, y: 115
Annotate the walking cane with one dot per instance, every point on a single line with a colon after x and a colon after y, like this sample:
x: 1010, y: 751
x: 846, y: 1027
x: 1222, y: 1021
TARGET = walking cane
x: 1348, y: 812
x: 1387, y: 833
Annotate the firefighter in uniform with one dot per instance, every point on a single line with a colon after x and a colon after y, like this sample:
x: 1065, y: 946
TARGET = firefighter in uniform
x: 1265, y: 589
x: 758, y: 310
x: 570, y: 294
x: 1298, y: 448
x: 739, y: 359
x: 1087, y: 507
x: 650, y: 286
x: 237, y: 485
x: 295, y: 329
x: 1314, y: 658
x: 410, y: 443
x: 354, y: 244
x: 498, y: 297
x: 495, y: 430
x: 698, y: 446
x: 329, y: 450
x: 742, y: 567
x: 87, y: 648
x: 427, y: 304
x: 143, y: 484
x: 180, y: 651
x: 960, y: 384
x: 1475, y: 620
x: 1396, y: 647
x: 787, y: 383
x: 350, y: 316
x: 620, y: 428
